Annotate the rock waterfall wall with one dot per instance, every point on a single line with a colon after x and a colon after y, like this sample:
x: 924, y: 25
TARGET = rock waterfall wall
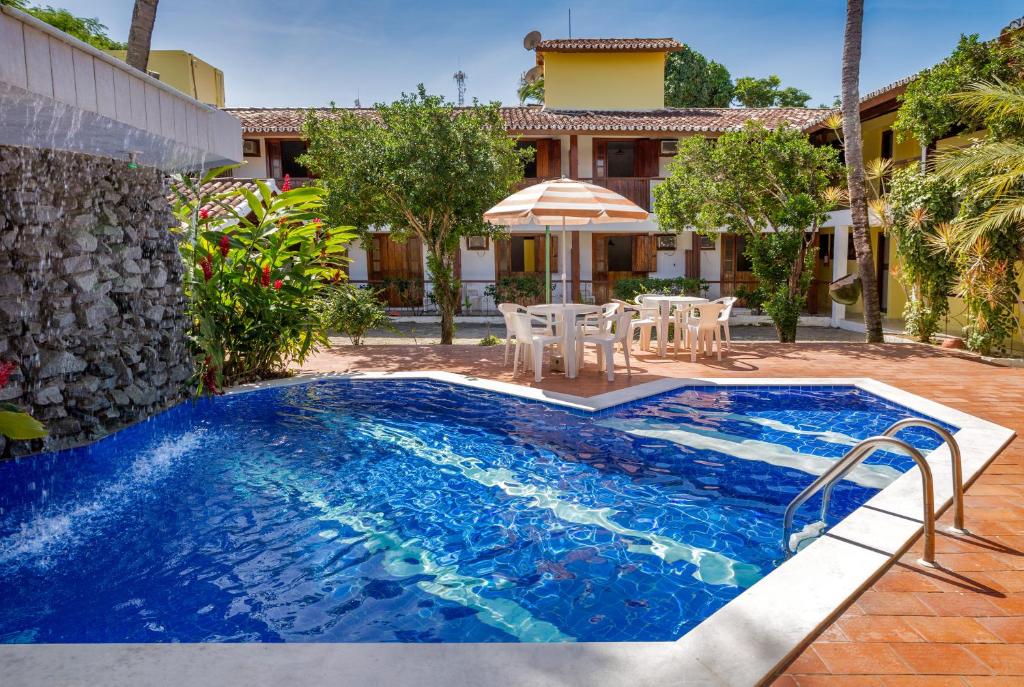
x: 91, y: 305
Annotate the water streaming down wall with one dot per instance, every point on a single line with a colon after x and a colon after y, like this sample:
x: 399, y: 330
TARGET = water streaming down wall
x: 91, y: 305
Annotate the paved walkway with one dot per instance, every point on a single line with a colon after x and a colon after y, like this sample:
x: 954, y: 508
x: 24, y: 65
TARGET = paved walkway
x: 960, y: 625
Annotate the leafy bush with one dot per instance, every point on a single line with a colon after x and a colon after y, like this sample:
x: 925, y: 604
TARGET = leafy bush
x: 353, y: 311
x: 252, y: 284
x: 490, y: 340
x: 918, y: 205
x: 524, y: 290
x: 751, y: 298
x: 628, y: 289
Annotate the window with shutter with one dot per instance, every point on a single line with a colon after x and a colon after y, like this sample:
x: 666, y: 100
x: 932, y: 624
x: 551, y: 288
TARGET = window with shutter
x: 645, y: 254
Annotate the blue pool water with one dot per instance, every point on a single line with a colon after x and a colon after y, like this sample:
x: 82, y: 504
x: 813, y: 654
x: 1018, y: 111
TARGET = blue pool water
x: 415, y: 511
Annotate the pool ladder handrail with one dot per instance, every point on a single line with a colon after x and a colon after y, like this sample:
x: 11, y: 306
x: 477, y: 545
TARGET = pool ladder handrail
x: 856, y: 455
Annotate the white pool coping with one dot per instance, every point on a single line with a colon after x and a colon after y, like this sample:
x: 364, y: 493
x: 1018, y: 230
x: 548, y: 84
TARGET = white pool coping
x: 740, y: 645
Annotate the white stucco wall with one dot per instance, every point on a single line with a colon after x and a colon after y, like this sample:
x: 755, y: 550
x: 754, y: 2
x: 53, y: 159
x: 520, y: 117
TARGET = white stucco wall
x: 253, y: 167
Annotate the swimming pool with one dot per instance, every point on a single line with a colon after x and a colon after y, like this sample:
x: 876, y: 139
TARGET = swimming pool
x: 420, y: 511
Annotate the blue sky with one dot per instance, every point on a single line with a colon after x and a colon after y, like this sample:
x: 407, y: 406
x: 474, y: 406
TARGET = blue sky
x: 310, y: 52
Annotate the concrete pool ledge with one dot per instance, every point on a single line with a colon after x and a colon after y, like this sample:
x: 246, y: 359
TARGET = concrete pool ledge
x: 742, y: 644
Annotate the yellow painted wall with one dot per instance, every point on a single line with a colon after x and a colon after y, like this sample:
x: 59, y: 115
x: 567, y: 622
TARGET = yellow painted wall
x: 187, y: 73
x: 604, y: 81
x: 871, y: 134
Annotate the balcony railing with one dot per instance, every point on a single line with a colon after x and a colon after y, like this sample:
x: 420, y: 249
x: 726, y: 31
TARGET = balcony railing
x: 636, y: 189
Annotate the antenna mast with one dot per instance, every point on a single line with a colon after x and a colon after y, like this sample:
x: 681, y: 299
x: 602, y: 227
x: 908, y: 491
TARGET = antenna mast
x: 570, y: 22
x: 460, y: 82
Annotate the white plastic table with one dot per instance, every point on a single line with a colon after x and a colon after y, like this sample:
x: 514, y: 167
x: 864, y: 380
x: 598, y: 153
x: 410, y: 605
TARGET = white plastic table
x: 665, y: 305
x: 565, y: 315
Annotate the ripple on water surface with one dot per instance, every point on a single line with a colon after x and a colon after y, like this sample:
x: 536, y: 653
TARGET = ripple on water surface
x: 414, y: 511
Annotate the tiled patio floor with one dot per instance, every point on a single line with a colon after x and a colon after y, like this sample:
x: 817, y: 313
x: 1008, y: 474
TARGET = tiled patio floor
x: 960, y: 625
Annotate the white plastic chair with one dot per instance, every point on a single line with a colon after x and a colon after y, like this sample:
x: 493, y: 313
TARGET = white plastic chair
x: 530, y: 344
x: 703, y: 330
x: 648, y: 323
x: 593, y: 322
x: 723, y: 318
x: 612, y: 330
x: 509, y: 309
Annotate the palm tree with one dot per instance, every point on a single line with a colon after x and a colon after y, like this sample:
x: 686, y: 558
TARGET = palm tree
x: 993, y: 169
x: 141, y: 33
x: 855, y: 168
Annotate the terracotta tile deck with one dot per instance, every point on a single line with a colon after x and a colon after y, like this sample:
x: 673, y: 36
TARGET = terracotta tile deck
x: 959, y: 625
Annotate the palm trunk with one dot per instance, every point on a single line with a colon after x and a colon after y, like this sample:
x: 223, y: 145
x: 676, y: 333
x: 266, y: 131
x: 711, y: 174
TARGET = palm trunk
x: 855, y: 168
x: 141, y: 33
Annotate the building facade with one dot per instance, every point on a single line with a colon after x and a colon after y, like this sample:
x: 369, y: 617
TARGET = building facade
x: 603, y: 121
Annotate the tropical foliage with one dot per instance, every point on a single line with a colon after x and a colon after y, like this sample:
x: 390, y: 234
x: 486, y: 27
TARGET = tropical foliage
x: 252, y: 283
x: 918, y: 209
x: 771, y: 186
x: 353, y: 311
x: 630, y: 288
x: 986, y: 240
x: 521, y: 289
x: 929, y: 109
x: 530, y: 91
x: 14, y: 423
x: 420, y: 168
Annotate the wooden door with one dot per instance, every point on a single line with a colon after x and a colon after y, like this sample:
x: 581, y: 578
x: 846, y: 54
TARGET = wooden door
x: 398, y: 269
x: 600, y: 161
x: 735, y: 265
x: 275, y: 169
x: 645, y: 255
x: 647, y: 162
x: 599, y: 268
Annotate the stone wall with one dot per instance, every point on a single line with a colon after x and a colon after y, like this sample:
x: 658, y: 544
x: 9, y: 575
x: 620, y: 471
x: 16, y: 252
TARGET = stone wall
x: 91, y: 305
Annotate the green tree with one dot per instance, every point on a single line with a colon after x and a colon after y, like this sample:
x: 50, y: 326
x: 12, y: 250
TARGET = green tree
x: 691, y: 80
x: 767, y: 92
x: 530, y: 92
x: 771, y: 186
x: 928, y: 111
x: 85, y: 29
x: 422, y: 170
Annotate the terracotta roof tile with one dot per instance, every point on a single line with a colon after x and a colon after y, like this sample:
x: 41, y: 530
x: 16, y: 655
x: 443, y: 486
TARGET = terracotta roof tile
x: 218, y: 186
x: 610, y: 44
x: 528, y: 119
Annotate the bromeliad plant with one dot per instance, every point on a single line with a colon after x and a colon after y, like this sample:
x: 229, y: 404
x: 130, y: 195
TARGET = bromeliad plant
x: 253, y: 279
x: 16, y: 424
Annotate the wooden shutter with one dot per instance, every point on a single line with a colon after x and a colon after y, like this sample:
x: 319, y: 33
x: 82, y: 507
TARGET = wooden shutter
x: 554, y: 169
x: 600, y: 159
x: 502, y: 258
x: 373, y: 262
x: 549, y: 158
x: 647, y: 160
x: 556, y: 242
x: 599, y: 248
x: 414, y: 257
x: 274, y: 168
x: 645, y: 254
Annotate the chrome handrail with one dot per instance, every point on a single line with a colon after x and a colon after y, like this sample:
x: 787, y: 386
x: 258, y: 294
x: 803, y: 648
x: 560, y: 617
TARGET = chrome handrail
x: 954, y: 453
x: 853, y: 457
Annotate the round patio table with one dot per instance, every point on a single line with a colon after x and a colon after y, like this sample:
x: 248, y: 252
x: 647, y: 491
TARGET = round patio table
x: 563, y: 317
x: 665, y: 305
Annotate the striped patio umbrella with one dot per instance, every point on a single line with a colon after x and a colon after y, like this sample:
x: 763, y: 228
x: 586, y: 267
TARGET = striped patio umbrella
x: 569, y: 202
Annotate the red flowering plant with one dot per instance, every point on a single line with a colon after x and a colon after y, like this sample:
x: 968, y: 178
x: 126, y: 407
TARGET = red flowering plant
x: 255, y: 267
x: 14, y: 423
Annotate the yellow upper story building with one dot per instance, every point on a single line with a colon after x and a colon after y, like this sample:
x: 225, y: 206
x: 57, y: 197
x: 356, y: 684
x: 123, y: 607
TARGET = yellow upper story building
x: 605, y: 73
x: 186, y: 72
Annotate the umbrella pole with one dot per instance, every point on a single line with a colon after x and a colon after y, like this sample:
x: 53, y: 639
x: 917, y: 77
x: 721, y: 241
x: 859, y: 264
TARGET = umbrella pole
x: 565, y: 259
x: 547, y: 263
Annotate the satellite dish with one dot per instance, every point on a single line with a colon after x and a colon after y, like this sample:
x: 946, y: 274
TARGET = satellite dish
x: 534, y: 74
x: 531, y: 40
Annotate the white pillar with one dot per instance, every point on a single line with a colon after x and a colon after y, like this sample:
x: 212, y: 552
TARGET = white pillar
x: 839, y: 259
